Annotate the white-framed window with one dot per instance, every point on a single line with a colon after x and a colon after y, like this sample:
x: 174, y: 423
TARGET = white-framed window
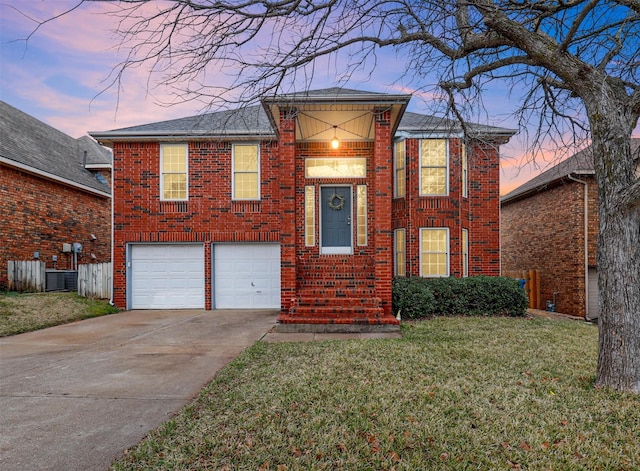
x: 434, y: 167
x: 465, y: 252
x: 173, y: 172
x: 361, y: 214
x: 246, y: 172
x: 399, y: 168
x: 465, y: 171
x: 434, y: 252
x: 400, y: 252
x: 309, y: 216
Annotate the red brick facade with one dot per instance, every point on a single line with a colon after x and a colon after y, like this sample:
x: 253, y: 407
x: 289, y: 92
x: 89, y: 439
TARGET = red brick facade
x: 316, y: 287
x: 545, y: 231
x: 478, y: 213
x: 39, y: 215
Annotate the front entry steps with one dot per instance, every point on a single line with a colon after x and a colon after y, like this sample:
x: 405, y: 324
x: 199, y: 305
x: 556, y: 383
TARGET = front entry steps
x: 337, y: 315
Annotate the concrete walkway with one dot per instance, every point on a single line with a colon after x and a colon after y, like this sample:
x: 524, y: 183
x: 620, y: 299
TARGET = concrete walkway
x: 74, y: 397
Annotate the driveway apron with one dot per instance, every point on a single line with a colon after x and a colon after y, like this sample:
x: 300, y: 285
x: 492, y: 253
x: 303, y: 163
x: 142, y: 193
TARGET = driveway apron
x: 74, y: 397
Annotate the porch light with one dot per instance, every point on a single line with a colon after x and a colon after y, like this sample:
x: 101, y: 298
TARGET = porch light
x: 335, y: 143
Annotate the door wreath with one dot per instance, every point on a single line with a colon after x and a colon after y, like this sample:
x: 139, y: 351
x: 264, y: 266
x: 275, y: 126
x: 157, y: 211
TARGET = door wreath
x: 336, y: 202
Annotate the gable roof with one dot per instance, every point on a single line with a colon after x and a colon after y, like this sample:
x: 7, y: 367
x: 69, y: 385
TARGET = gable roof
x: 33, y: 146
x: 580, y: 163
x: 257, y: 121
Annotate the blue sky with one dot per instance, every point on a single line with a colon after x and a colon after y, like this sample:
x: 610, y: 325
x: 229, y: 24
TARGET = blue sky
x: 60, y: 74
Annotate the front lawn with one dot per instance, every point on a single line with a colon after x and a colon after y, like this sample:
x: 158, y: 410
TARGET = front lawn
x: 454, y: 393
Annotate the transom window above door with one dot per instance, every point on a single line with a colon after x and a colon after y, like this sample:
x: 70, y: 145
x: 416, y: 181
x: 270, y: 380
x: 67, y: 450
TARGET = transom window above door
x: 336, y: 168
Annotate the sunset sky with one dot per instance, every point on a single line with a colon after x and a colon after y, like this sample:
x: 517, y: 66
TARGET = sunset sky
x: 60, y: 76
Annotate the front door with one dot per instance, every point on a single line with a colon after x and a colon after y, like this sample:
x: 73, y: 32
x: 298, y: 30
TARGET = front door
x: 335, y: 224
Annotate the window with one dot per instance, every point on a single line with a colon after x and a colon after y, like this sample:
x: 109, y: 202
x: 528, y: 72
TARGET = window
x: 361, y: 214
x: 465, y: 252
x: 433, y: 167
x: 400, y: 175
x: 246, y: 173
x: 399, y: 247
x: 355, y: 167
x: 173, y: 170
x: 309, y: 216
x: 465, y: 171
x: 434, y: 252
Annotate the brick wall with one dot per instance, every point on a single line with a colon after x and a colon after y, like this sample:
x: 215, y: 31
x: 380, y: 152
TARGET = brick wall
x: 479, y: 213
x: 208, y: 216
x: 545, y: 232
x: 39, y: 215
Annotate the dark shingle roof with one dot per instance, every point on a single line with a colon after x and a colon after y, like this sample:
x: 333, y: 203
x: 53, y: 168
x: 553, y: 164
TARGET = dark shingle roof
x: 416, y: 123
x: 250, y: 120
x: 254, y: 121
x: 31, y: 144
x: 579, y: 163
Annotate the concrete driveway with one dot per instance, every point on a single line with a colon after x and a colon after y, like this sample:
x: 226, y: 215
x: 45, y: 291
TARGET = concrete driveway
x: 74, y: 397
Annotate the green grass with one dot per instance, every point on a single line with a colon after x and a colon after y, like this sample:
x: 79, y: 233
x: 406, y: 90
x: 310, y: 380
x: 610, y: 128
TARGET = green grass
x: 454, y: 393
x: 26, y: 312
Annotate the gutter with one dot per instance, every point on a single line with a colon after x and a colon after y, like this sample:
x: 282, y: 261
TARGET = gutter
x: 586, y: 243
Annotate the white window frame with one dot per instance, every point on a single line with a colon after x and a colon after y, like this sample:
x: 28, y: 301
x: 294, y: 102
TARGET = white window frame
x: 362, y: 226
x: 163, y: 173
x: 465, y: 170
x: 464, y: 243
x: 233, y: 170
x: 448, y: 252
x: 446, y: 167
x: 399, y: 234
x: 396, y: 190
x: 309, y: 216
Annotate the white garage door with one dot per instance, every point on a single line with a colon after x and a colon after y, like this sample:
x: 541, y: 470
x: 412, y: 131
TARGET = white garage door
x: 167, y: 276
x: 246, y: 276
x: 593, y: 294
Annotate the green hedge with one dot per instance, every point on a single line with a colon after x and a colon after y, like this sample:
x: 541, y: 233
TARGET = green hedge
x: 417, y: 297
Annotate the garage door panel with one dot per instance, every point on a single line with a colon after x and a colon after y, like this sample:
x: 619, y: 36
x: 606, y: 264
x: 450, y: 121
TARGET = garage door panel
x: 247, y: 276
x: 167, y: 276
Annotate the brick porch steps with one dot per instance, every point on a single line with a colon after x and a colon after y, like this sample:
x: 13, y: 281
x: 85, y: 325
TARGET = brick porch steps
x: 314, y: 308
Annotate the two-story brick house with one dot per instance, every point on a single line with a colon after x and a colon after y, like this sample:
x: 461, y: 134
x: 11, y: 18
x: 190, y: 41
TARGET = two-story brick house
x: 308, y: 203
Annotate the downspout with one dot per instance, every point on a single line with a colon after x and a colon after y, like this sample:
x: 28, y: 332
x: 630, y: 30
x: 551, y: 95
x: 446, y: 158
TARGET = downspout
x: 113, y: 264
x: 586, y: 243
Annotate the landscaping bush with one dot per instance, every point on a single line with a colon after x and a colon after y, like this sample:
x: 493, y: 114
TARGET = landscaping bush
x: 417, y: 297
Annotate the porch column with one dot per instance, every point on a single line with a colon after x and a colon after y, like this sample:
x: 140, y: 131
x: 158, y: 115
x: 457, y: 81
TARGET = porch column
x: 383, y: 194
x: 287, y: 152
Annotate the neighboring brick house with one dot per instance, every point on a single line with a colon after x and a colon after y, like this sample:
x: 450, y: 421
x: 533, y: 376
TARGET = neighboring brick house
x: 550, y: 224
x: 308, y: 203
x: 54, y: 190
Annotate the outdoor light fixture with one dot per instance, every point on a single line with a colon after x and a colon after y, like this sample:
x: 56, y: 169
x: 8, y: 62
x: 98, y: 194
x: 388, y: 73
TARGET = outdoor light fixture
x: 335, y: 143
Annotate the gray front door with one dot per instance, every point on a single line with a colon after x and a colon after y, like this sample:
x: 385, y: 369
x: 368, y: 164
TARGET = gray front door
x: 336, y: 219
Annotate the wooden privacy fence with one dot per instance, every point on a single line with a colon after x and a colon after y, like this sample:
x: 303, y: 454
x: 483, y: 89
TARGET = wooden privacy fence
x: 94, y: 280
x: 531, y: 285
x: 26, y: 275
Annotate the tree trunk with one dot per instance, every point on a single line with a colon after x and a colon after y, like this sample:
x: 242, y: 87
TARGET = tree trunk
x: 618, y: 245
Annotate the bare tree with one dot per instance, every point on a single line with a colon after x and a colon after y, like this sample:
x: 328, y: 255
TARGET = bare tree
x: 578, y: 58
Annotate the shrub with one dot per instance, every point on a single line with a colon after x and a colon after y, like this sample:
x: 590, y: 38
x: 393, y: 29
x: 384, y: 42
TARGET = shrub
x: 418, y: 297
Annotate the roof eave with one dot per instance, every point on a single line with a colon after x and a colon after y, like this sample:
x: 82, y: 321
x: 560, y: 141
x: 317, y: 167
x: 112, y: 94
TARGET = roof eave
x: 543, y: 186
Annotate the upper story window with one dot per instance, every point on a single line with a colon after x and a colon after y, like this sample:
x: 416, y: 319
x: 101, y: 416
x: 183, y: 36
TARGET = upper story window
x: 173, y: 171
x: 465, y: 171
x: 246, y: 172
x: 399, y: 165
x: 434, y: 167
